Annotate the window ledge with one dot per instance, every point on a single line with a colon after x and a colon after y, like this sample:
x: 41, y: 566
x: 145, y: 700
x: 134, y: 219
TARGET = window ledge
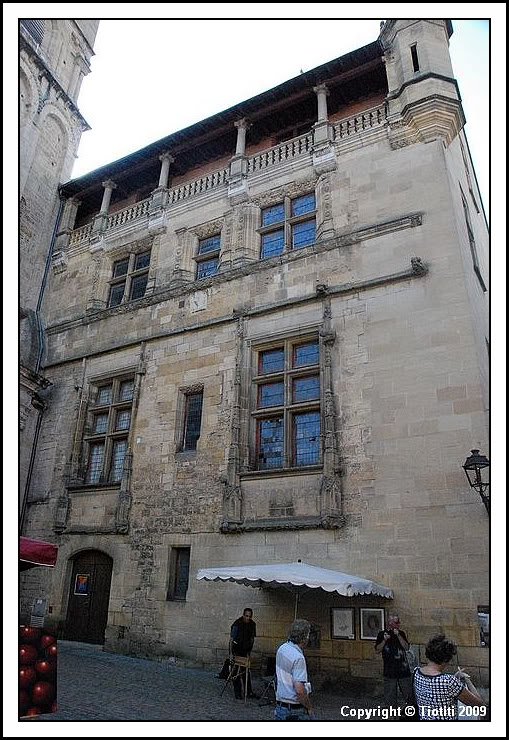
x: 282, y: 472
x: 85, y: 487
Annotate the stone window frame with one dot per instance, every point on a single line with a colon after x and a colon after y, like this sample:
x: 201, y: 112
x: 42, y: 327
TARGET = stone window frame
x: 289, y: 339
x: 471, y: 240
x: 111, y: 433
x: 193, y: 237
x: 214, y: 254
x: 129, y: 276
x: 180, y: 417
x: 174, y: 567
x: 287, y: 223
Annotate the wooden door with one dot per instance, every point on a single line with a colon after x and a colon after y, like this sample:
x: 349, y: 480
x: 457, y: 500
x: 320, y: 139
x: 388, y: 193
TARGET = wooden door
x: 87, y: 612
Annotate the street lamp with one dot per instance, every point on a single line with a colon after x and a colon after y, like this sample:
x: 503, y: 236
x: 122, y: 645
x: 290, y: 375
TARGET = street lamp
x: 473, y: 467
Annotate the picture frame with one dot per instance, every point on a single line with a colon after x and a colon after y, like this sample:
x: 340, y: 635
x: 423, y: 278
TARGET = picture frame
x: 81, y: 584
x: 372, y: 621
x: 342, y: 623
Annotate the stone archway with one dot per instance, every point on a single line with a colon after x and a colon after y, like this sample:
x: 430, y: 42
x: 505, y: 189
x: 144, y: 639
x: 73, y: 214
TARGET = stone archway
x: 89, y: 595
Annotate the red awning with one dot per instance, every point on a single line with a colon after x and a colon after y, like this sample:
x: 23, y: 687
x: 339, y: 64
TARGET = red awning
x: 35, y: 552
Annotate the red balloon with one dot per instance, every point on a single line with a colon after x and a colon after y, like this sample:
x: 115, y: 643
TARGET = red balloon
x: 27, y: 676
x: 32, y: 711
x: 27, y: 654
x: 24, y: 701
x: 29, y: 634
x: 47, y: 640
x: 45, y: 667
x: 43, y: 692
x: 51, y: 651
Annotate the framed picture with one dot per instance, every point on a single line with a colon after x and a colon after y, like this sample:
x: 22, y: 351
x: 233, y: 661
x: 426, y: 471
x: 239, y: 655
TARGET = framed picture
x: 372, y: 622
x: 483, y: 615
x: 81, y: 585
x: 342, y: 623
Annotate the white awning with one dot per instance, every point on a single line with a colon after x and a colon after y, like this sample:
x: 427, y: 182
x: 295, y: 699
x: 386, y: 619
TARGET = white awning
x: 295, y: 577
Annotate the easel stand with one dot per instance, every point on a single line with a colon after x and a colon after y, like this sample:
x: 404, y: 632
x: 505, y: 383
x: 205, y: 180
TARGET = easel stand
x: 239, y: 671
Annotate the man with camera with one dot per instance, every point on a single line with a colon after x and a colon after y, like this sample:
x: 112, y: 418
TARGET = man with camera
x: 393, y: 644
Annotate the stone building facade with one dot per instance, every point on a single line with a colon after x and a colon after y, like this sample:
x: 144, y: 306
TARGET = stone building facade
x: 266, y: 338
x: 54, y: 56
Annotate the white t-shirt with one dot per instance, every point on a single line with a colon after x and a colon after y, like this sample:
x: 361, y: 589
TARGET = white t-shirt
x: 290, y: 667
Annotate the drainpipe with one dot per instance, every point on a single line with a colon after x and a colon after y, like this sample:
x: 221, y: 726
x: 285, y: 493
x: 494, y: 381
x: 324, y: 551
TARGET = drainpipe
x: 37, y: 402
x: 43, y: 284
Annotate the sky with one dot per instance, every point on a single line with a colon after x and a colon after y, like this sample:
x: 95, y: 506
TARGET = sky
x: 151, y: 78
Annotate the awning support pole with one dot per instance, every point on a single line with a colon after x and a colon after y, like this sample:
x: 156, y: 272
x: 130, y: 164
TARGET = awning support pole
x: 296, y: 603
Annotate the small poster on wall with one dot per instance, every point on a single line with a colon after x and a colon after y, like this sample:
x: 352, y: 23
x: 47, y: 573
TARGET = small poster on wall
x: 81, y: 584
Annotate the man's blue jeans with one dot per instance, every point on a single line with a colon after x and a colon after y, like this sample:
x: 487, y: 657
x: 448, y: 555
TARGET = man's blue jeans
x: 299, y: 714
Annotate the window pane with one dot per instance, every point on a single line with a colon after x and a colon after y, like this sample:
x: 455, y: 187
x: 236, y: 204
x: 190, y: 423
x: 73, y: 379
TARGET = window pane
x: 117, y: 459
x: 120, y: 268
x: 270, y: 445
x: 304, y: 204
x: 273, y: 214
x: 303, y: 234
x: 306, y: 389
x: 306, y: 429
x: 272, y: 361
x: 142, y: 260
x: 194, y: 403
x: 138, y: 285
x: 207, y: 267
x: 209, y: 245
x: 100, y: 423
x: 126, y: 390
x: 181, y: 573
x: 306, y: 354
x: 272, y: 244
x: 116, y: 294
x: 123, y: 420
x: 95, y: 463
x: 271, y: 394
x: 104, y: 395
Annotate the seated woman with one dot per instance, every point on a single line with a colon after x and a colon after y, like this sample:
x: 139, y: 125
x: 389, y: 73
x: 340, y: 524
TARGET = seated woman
x: 437, y: 692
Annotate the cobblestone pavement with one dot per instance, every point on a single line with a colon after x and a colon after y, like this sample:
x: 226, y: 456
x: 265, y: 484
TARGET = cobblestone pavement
x: 98, y: 686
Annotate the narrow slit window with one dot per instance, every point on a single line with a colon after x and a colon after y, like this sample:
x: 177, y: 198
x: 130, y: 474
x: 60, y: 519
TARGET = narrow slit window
x: 179, y: 573
x: 192, y: 422
x: 415, y: 58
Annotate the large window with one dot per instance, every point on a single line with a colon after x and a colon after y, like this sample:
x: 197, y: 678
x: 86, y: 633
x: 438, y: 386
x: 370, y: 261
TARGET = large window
x: 287, y: 405
x: 109, y: 421
x: 207, y: 258
x: 129, y: 278
x: 290, y: 224
x: 179, y: 573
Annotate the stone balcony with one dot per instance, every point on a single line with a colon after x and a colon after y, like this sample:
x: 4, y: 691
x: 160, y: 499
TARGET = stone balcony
x: 346, y: 135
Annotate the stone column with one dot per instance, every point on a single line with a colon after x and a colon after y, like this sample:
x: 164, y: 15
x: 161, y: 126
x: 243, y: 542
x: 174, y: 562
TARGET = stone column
x: 109, y: 186
x: 322, y: 92
x: 101, y: 220
x: 160, y: 194
x: 324, y: 158
x: 242, y: 125
x: 237, y: 180
x: 67, y: 223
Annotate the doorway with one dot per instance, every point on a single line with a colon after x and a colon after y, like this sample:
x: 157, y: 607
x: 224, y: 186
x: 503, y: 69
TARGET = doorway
x: 89, y: 595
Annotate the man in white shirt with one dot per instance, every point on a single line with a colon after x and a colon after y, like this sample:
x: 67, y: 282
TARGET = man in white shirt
x: 292, y: 693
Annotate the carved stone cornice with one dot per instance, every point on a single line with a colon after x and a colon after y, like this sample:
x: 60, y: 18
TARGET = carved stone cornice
x: 432, y: 117
x: 329, y: 521
x: 211, y: 228
x: 276, y: 195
